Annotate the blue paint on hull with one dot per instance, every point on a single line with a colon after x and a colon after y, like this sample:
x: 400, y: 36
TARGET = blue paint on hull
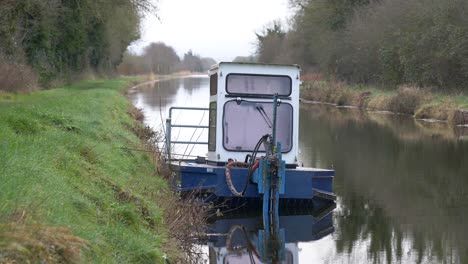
x: 300, y: 182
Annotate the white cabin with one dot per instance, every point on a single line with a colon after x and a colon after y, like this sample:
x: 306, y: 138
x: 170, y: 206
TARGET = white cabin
x: 241, y: 109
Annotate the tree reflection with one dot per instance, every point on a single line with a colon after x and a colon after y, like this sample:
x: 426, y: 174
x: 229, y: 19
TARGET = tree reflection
x: 401, y: 189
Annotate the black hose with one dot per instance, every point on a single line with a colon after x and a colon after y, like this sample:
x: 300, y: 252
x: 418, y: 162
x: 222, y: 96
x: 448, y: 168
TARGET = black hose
x: 247, y: 158
x: 252, y: 161
x: 249, y: 166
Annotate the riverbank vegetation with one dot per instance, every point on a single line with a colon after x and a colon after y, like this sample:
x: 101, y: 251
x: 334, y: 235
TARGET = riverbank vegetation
x: 159, y: 58
x: 46, y: 42
x: 419, y: 43
x: 387, y: 45
x: 414, y: 101
x: 73, y: 186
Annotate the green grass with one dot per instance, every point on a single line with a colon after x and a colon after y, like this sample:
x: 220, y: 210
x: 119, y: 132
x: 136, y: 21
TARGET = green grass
x: 61, y: 165
x: 461, y: 101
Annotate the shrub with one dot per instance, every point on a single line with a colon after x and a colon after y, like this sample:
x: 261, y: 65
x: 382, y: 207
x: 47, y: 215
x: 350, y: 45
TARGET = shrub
x: 15, y: 77
x: 444, y: 110
x: 406, y: 100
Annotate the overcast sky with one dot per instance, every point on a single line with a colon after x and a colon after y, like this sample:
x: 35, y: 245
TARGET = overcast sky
x: 221, y: 29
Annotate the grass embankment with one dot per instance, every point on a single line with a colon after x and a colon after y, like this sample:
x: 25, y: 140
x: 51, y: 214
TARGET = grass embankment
x: 68, y: 192
x: 405, y: 100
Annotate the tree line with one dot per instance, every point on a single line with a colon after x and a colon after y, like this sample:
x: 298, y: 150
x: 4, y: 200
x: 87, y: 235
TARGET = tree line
x: 60, y: 39
x: 382, y: 42
x: 159, y: 58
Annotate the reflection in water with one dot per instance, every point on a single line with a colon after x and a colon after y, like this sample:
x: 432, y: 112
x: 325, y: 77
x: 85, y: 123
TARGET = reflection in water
x: 240, y: 238
x: 401, y: 183
x: 156, y: 99
x: 401, y: 187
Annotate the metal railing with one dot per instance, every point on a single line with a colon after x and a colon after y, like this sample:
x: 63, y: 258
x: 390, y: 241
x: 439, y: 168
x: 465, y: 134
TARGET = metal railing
x: 169, y: 127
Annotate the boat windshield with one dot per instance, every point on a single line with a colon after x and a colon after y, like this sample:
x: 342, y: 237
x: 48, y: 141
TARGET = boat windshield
x: 258, y: 84
x: 245, y: 122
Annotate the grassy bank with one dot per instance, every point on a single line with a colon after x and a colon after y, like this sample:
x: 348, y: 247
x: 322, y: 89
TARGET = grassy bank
x: 68, y: 191
x: 405, y: 100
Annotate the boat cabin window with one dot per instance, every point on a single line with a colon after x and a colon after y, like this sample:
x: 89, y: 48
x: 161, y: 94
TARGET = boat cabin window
x: 212, y: 127
x: 214, y: 84
x: 258, y: 84
x: 245, y: 122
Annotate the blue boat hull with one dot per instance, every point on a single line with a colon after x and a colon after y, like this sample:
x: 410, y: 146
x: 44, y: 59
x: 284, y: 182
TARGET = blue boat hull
x: 300, y: 183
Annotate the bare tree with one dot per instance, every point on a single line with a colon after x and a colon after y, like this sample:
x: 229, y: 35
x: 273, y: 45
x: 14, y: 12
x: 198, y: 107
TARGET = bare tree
x: 192, y: 62
x: 161, y: 58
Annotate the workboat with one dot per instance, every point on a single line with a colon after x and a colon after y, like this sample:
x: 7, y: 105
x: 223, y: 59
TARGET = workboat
x: 252, y: 160
x: 252, y: 140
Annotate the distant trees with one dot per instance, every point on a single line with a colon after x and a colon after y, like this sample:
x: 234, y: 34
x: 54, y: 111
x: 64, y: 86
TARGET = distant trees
x: 250, y: 59
x: 207, y: 63
x: 270, y: 42
x: 192, y: 62
x: 385, y: 42
x: 159, y: 58
x: 61, y: 39
x: 133, y: 64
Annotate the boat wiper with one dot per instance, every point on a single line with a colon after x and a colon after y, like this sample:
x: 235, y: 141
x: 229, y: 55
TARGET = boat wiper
x: 262, y: 112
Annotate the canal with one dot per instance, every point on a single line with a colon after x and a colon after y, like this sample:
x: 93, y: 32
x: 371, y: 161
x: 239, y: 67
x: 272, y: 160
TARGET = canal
x: 401, y: 184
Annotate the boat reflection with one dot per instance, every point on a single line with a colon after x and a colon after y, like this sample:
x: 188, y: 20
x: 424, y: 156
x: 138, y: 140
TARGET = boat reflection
x: 240, y: 237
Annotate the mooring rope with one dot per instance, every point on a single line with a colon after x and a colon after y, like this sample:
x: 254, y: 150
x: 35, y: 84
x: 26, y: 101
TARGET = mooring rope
x: 229, y: 178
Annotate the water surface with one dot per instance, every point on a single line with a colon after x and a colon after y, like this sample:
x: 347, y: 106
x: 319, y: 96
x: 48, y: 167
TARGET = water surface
x: 401, y: 183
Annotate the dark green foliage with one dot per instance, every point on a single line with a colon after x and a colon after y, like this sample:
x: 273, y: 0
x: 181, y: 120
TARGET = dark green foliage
x: 61, y: 39
x: 384, y: 42
x: 269, y: 42
x: 23, y: 126
x: 414, y: 42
